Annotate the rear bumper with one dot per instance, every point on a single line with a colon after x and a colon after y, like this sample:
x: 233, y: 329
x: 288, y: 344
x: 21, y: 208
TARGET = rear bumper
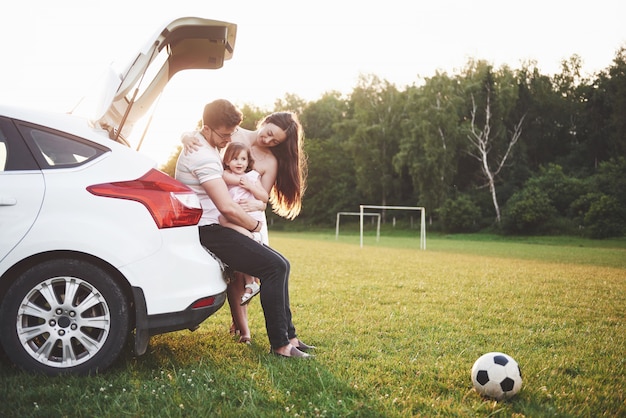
x: 177, y: 274
x: 189, y: 318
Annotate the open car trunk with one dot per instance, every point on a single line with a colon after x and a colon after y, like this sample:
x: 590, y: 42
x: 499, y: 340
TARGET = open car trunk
x: 183, y: 44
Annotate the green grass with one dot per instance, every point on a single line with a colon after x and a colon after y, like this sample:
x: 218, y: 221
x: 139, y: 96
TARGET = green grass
x: 397, y: 331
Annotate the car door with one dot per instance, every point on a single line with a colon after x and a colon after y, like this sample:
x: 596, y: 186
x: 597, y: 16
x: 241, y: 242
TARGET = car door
x: 22, y: 188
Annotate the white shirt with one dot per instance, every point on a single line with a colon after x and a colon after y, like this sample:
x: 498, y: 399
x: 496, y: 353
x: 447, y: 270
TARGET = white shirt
x: 198, y: 167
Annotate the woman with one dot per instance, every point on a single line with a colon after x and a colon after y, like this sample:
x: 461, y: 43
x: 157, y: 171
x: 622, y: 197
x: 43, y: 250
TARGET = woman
x: 277, y: 148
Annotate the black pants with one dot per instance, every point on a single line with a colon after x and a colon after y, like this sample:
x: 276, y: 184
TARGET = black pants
x: 245, y: 255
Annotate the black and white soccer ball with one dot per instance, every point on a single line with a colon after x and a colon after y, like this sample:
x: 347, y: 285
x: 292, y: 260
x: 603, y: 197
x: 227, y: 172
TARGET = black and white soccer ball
x: 496, y: 376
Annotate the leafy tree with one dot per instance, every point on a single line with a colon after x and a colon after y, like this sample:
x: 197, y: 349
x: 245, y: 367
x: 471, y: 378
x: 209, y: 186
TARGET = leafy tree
x: 605, y: 134
x: 320, y: 117
x: 580, y: 207
x: 552, y: 107
x: 331, y: 179
x: 459, y: 215
x: 528, y: 211
x: 580, y: 123
x: 561, y: 189
x: 378, y: 111
x: 252, y: 115
x: 291, y: 103
x: 611, y: 178
x: 606, y: 218
x: 331, y: 182
x: 617, y: 89
x: 429, y: 144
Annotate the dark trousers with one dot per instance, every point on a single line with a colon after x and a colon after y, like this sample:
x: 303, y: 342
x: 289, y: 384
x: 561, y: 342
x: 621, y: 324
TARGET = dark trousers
x: 245, y: 255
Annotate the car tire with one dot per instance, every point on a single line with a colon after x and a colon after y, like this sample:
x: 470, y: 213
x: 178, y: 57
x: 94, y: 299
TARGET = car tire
x: 64, y: 316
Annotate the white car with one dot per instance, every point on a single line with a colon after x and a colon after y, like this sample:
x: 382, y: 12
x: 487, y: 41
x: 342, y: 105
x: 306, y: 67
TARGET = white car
x: 96, y: 244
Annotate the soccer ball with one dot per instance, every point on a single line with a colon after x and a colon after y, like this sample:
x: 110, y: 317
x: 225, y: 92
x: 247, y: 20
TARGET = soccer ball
x: 496, y: 376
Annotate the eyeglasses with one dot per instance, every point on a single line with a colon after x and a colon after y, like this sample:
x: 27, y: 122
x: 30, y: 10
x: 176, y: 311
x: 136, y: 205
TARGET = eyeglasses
x: 224, y: 136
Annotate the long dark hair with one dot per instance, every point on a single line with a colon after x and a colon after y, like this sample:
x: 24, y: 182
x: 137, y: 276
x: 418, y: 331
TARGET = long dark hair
x: 286, y: 195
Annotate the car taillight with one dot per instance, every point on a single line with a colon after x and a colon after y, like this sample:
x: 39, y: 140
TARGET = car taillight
x: 170, y: 202
x: 203, y: 303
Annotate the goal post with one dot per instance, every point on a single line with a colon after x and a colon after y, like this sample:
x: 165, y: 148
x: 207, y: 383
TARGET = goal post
x: 377, y: 215
x: 422, y: 220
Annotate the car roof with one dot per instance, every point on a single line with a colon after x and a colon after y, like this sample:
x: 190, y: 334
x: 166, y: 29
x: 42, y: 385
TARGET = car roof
x: 182, y: 44
x: 63, y: 122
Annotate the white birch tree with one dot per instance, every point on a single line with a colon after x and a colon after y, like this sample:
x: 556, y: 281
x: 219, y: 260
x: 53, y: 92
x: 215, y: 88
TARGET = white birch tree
x: 482, y: 147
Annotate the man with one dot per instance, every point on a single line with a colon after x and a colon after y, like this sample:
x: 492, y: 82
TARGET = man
x: 202, y: 171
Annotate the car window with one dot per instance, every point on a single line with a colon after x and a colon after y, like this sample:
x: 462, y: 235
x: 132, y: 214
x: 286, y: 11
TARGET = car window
x: 3, y: 150
x: 14, y: 154
x: 53, y: 149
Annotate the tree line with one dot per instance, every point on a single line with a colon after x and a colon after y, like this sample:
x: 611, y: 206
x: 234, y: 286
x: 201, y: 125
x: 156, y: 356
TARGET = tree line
x: 499, y: 149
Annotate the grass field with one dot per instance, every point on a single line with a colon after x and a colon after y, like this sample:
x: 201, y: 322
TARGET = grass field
x: 397, y: 331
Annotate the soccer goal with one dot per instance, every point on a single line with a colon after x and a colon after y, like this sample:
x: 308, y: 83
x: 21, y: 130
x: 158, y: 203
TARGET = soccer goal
x: 422, y: 220
x: 358, y: 214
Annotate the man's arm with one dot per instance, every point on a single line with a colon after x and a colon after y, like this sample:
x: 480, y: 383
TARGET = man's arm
x: 218, y: 192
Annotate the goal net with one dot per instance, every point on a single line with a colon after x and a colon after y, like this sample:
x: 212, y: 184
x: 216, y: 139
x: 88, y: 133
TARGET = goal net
x: 422, y: 220
x: 377, y: 215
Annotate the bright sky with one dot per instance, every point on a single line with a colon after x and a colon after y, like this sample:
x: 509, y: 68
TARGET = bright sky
x: 54, y: 50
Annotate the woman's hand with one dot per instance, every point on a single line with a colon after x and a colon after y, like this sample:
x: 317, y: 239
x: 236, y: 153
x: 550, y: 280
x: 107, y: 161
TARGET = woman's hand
x: 252, y: 205
x: 190, y: 143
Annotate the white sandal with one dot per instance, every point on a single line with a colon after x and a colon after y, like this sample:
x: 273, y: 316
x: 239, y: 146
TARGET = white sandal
x: 255, y: 289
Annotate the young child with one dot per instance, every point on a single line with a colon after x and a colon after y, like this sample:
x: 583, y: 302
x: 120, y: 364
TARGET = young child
x: 238, y: 161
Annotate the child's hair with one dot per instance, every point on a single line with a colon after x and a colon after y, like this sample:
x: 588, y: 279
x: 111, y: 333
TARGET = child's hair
x: 233, y: 149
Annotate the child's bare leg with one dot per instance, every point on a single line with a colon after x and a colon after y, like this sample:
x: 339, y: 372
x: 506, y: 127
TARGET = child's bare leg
x: 238, y: 312
x: 241, y: 230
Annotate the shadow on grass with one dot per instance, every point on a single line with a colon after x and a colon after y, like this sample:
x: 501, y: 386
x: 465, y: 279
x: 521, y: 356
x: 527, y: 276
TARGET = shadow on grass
x: 203, y: 373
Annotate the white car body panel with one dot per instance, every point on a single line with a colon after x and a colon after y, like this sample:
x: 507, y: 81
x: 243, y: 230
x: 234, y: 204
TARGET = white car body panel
x: 19, y: 206
x: 169, y: 287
